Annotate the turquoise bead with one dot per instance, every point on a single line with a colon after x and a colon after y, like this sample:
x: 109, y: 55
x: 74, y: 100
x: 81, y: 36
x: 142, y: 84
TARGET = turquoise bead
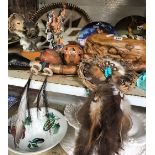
x: 108, y: 72
x: 141, y: 81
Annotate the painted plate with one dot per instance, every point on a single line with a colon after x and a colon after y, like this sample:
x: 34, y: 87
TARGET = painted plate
x: 137, y: 23
x: 94, y: 27
x: 70, y: 114
x: 37, y: 139
x: 68, y: 143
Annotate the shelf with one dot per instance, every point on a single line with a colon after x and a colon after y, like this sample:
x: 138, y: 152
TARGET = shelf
x: 70, y: 85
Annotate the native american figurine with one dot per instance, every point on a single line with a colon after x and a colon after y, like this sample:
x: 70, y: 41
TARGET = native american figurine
x: 55, y: 28
x: 31, y: 36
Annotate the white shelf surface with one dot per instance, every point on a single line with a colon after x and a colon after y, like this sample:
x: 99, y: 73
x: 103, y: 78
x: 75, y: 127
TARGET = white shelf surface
x: 69, y: 90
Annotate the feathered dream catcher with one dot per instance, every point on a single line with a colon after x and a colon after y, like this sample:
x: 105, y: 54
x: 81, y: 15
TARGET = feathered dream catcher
x: 92, y: 71
x: 104, y: 120
x: 17, y: 129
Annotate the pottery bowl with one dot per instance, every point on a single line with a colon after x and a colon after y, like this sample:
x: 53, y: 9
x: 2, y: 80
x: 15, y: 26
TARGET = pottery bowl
x: 38, y: 137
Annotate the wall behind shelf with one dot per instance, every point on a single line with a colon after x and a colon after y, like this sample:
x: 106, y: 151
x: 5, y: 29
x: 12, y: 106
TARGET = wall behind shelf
x: 106, y: 10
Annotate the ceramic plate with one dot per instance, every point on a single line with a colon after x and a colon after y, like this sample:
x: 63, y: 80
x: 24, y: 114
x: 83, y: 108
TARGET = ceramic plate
x: 68, y: 143
x: 38, y: 140
x: 136, y: 22
x: 91, y: 28
x: 70, y: 114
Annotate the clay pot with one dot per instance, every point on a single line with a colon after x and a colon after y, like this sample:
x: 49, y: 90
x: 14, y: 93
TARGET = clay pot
x: 72, y: 54
x: 52, y: 57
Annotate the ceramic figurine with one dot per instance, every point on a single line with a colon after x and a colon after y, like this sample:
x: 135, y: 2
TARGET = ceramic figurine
x: 31, y: 36
x: 104, y: 122
x: 50, y: 36
x: 55, y: 28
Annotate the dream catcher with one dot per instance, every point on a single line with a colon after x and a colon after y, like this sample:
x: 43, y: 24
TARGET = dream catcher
x: 93, y: 71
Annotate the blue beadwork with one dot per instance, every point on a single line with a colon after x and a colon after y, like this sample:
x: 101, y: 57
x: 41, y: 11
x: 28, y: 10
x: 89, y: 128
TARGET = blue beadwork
x: 108, y: 72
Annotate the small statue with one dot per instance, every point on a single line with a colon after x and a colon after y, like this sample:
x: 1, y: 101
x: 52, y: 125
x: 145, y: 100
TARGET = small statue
x: 31, y: 36
x: 55, y: 28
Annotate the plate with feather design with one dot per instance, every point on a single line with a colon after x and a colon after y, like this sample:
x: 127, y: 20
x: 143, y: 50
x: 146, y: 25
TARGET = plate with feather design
x: 42, y: 134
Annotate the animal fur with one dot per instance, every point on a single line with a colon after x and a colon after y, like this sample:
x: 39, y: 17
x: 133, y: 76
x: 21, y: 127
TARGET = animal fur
x: 105, y: 121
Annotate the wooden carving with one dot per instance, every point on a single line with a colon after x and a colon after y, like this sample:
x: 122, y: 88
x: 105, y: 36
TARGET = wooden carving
x: 133, y: 51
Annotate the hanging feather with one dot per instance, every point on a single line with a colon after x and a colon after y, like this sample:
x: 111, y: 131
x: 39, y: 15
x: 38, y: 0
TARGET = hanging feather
x: 45, y: 96
x: 21, y: 115
x: 41, y: 98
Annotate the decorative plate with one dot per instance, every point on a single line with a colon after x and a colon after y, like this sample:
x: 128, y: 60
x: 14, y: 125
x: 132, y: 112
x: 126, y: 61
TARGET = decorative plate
x: 135, y: 143
x: 68, y: 143
x: 94, y: 27
x: 42, y: 134
x: 137, y: 24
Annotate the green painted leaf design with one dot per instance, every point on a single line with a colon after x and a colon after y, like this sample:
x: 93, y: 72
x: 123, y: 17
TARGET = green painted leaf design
x: 28, y: 121
x: 51, y: 116
x: 56, y: 127
x: 48, y: 124
x: 29, y: 146
x: 34, y: 145
x: 38, y: 140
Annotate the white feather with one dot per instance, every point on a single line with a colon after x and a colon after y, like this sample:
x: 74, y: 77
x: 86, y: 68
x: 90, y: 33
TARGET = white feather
x: 21, y: 116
